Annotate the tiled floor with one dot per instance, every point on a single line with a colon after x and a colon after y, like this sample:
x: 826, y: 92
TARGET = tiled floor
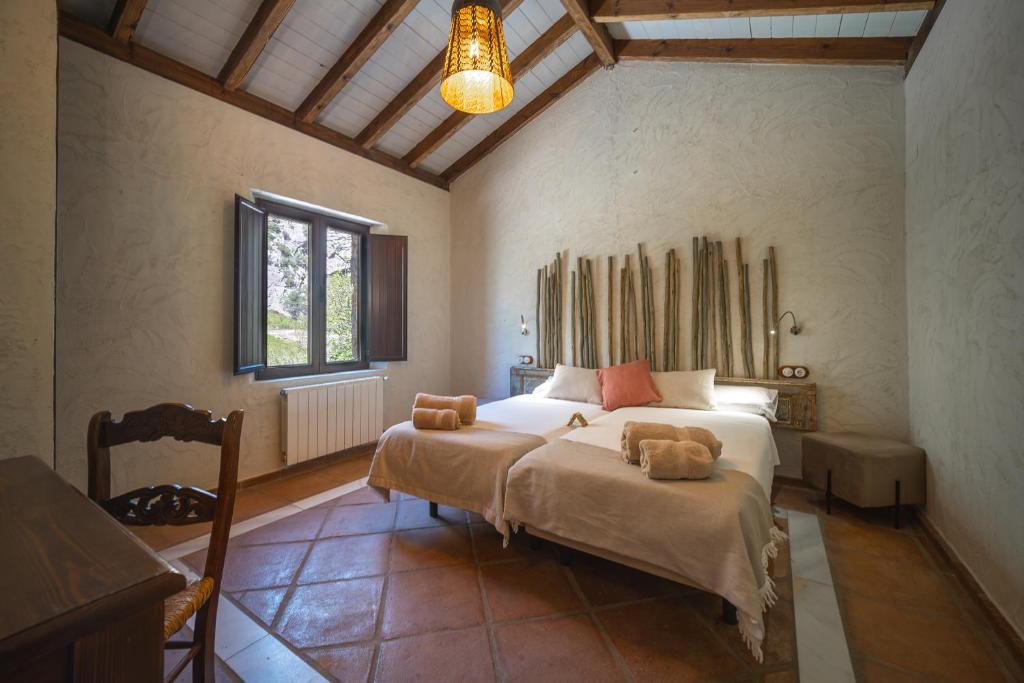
x: 356, y: 589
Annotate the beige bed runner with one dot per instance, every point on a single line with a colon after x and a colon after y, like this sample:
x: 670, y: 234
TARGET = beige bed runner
x: 715, y: 534
x: 466, y: 468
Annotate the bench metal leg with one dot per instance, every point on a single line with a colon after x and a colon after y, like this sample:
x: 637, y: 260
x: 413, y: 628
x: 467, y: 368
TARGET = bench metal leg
x: 896, y: 508
x: 564, y: 556
x: 433, y: 509
x: 729, y: 613
x: 828, y: 493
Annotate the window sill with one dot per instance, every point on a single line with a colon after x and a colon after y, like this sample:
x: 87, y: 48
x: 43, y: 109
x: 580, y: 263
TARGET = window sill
x: 324, y: 378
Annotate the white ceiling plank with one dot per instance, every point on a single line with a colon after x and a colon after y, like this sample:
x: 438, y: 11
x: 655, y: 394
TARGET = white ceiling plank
x: 782, y: 27
x: 827, y: 25
x: 907, y: 23
x: 761, y: 27
x: 879, y: 24
x: 852, y: 25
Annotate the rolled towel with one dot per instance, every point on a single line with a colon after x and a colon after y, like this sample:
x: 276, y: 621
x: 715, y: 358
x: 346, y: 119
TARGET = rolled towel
x: 431, y: 418
x: 464, y: 405
x: 635, y: 432
x: 704, y: 437
x: 663, y: 459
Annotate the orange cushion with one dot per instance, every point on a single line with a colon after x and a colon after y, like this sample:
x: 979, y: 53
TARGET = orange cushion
x: 629, y: 384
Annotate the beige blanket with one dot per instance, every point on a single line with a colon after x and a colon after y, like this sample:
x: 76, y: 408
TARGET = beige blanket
x: 715, y: 534
x: 466, y: 468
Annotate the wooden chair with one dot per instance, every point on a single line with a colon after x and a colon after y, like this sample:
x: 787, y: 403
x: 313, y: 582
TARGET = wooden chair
x: 176, y: 505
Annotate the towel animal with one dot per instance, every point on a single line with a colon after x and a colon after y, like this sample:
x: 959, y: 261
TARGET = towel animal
x: 465, y: 406
x: 663, y: 459
x: 431, y: 418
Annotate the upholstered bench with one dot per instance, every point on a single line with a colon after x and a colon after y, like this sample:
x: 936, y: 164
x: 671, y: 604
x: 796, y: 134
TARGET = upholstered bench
x: 868, y: 471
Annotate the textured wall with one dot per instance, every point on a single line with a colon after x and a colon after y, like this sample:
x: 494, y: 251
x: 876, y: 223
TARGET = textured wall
x: 148, y: 174
x: 965, y: 285
x: 809, y: 159
x: 28, y: 174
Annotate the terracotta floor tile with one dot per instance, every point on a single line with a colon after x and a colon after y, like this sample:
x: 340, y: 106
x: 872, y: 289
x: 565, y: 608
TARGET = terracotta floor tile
x: 347, y: 557
x: 665, y: 641
x: 363, y: 496
x: 779, y: 644
x: 488, y: 545
x: 432, y: 600
x: 527, y: 588
x: 903, y: 582
x: 263, y: 603
x: 351, y: 663
x: 873, y: 672
x: 800, y: 499
x: 331, y: 613
x: 349, y: 469
x: 415, y: 514
x: 431, y: 547
x: 299, y: 486
x: 463, y: 656
x: 255, y: 501
x: 302, y: 526
x: 547, y: 649
x: 780, y: 677
x: 262, y: 566
x: 606, y: 583
x: 359, y: 519
x: 839, y: 532
x: 945, y: 649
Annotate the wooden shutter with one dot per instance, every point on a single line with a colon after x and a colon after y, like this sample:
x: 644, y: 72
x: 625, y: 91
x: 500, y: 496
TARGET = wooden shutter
x: 387, y: 314
x: 250, y: 345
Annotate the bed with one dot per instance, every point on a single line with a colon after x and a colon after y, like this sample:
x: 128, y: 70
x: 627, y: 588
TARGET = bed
x: 715, y: 534
x: 468, y: 468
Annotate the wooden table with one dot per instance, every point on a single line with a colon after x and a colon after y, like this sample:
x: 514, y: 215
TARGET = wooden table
x: 80, y: 597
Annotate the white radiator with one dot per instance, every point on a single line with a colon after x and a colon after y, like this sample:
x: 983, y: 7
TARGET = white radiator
x: 320, y: 419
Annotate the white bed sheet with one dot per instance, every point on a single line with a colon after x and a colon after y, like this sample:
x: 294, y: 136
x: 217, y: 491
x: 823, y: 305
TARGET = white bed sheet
x: 529, y: 414
x: 747, y: 441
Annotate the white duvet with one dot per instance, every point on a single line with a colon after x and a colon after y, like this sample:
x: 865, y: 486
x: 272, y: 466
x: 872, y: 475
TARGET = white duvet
x: 529, y: 414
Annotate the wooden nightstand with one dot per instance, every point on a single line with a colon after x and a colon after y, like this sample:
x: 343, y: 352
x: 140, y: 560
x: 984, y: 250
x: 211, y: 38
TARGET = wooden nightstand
x: 523, y: 379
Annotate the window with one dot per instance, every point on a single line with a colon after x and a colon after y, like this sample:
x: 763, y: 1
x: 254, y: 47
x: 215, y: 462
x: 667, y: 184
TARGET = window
x: 308, y: 298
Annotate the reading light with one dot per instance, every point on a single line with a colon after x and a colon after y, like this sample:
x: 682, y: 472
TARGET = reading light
x: 522, y: 325
x: 476, y: 77
x: 795, y: 329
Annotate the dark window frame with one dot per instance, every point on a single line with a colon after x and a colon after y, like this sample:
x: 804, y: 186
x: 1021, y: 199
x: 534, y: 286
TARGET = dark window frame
x: 317, y: 283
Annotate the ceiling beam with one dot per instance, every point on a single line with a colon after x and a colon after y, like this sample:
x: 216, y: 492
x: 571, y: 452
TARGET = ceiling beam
x: 557, y: 34
x: 266, y: 20
x: 413, y: 92
x: 358, y: 53
x: 656, y: 10
x: 775, y: 50
x: 125, y: 18
x: 537, y: 105
x: 82, y: 32
x: 922, y: 35
x: 598, y: 37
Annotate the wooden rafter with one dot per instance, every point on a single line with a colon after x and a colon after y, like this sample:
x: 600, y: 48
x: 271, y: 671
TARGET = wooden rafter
x: 598, y: 37
x: 558, y: 89
x: 559, y: 32
x: 413, y: 92
x: 777, y: 50
x: 266, y: 20
x: 922, y: 35
x: 362, y: 48
x: 655, y: 10
x: 82, y: 32
x: 125, y: 18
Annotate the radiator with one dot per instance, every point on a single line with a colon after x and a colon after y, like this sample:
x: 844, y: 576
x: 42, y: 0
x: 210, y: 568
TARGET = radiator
x: 320, y: 419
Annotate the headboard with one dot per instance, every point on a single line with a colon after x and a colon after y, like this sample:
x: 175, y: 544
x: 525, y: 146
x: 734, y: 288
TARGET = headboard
x: 798, y: 401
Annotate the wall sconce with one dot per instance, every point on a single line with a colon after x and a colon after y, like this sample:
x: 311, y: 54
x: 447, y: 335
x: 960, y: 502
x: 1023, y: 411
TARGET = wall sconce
x: 795, y: 329
x: 522, y: 325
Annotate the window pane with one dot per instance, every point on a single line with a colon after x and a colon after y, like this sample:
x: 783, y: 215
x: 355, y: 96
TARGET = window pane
x: 342, y: 296
x: 287, y: 291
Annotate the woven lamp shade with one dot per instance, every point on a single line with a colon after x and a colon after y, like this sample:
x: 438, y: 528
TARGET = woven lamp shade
x: 476, y: 78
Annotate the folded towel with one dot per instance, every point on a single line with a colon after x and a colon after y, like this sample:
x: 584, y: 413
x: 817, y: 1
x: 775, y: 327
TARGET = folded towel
x: 704, y: 437
x: 662, y: 459
x: 430, y: 418
x: 464, y: 405
x: 635, y: 432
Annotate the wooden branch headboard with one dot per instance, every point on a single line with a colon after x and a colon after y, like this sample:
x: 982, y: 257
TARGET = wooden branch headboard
x: 798, y: 401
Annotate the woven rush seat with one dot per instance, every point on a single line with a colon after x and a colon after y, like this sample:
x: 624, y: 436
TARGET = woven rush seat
x: 180, y: 607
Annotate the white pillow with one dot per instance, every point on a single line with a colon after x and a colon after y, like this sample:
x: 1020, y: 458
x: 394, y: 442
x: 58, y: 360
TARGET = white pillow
x: 574, y: 384
x: 747, y: 399
x: 694, y: 389
x: 542, y: 389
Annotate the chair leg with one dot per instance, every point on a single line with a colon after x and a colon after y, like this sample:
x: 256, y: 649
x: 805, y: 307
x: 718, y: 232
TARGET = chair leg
x: 828, y: 493
x: 206, y: 629
x: 729, y: 613
x: 896, y: 508
x: 433, y: 509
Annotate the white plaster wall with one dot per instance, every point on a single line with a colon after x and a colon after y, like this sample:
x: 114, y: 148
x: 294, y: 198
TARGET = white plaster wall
x: 28, y: 176
x: 808, y: 159
x: 965, y: 285
x: 148, y: 174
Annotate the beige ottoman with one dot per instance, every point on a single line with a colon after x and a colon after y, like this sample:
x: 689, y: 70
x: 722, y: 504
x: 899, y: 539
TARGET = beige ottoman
x: 869, y: 471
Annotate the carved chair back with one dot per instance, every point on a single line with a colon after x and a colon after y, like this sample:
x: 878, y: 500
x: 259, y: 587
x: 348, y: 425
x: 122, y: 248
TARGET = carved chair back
x: 170, y: 503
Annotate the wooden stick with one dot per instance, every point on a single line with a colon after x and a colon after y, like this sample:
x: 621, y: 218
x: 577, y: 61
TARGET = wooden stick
x: 748, y: 356
x: 572, y: 315
x: 611, y: 311
x: 694, y: 322
x: 728, y: 320
x: 765, y: 337
x: 775, y: 312
x: 713, y: 356
x: 743, y: 308
x: 558, y: 308
x: 536, y: 332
